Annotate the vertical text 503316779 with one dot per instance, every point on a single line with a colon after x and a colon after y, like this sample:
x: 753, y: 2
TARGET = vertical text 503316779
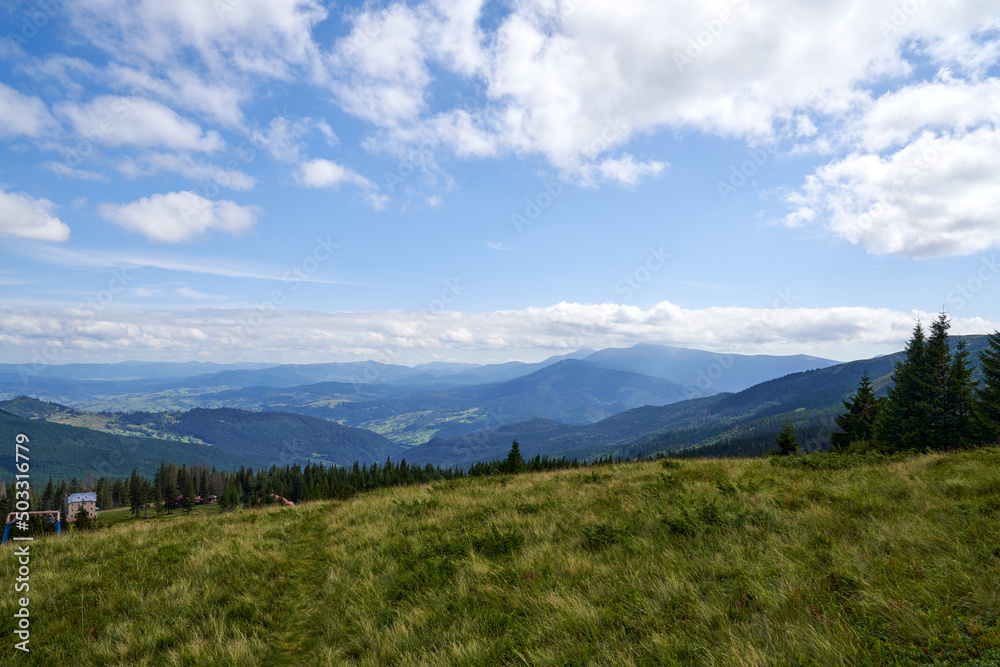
x: 22, y: 505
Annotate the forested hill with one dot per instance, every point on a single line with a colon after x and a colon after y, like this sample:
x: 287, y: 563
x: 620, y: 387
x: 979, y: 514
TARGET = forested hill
x: 272, y: 437
x: 63, y: 452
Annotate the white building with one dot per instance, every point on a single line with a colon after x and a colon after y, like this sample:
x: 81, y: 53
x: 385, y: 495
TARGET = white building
x: 81, y: 501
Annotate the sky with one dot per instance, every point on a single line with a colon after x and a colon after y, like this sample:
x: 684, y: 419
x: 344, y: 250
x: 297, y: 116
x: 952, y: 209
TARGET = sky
x: 296, y: 181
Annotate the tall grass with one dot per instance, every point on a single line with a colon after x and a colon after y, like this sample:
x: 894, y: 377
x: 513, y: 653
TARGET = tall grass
x: 709, y: 562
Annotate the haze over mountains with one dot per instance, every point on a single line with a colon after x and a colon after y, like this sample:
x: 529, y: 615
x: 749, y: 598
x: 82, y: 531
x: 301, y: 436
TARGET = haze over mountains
x: 590, y: 406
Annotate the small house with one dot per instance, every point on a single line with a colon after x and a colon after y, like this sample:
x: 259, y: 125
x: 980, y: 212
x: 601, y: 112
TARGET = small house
x: 77, y: 502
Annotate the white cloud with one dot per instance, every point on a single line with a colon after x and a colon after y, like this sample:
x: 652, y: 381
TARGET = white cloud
x: 118, y: 121
x: 195, y: 295
x: 177, y: 217
x: 936, y: 196
x: 320, y: 173
x: 554, y: 74
x: 955, y: 105
x: 204, y: 265
x: 299, y: 336
x: 626, y: 171
x: 251, y: 37
x: 185, y: 165
x: 23, y: 216
x: 21, y: 115
x: 219, y: 100
x: 64, y: 170
x: 284, y: 137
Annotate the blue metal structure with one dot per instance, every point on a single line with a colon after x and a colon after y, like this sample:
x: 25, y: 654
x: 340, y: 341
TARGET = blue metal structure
x: 54, y: 516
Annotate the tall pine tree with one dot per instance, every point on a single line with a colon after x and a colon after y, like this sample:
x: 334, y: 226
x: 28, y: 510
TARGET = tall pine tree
x: 858, y: 423
x: 937, y: 424
x: 988, y: 392
x: 788, y: 442
x: 902, y: 421
x: 960, y: 406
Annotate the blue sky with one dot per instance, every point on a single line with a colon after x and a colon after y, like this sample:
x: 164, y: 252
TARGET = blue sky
x: 299, y: 181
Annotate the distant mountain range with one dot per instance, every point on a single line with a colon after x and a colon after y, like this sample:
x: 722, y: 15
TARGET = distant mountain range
x: 580, y: 408
x: 726, y: 422
x: 412, y: 404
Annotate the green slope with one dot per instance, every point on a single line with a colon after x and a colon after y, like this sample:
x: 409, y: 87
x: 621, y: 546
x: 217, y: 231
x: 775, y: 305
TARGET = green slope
x: 709, y: 562
x: 64, y: 452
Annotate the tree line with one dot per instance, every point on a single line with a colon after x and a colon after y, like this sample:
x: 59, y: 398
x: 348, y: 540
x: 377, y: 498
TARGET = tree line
x: 932, y: 404
x: 174, y: 488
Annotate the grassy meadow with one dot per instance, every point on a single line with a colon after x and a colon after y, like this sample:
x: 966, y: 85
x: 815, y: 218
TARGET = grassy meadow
x: 706, y: 562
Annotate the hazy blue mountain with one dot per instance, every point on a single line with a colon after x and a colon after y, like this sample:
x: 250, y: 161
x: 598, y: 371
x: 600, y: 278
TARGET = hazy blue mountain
x: 124, y: 370
x: 569, y: 391
x: 709, y: 371
x: 811, y: 399
x: 491, y: 373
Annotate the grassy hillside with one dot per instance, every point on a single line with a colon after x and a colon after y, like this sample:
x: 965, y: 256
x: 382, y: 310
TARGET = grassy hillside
x: 724, y: 562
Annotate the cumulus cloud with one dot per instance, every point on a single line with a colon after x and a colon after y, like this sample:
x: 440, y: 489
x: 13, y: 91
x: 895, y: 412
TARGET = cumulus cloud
x: 945, y: 104
x: 320, y: 173
x: 23, y: 216
x: 21, y: 115
x: 291, y: 336
x: 177, y: 217
x: 555, y: 73
x: 118, y: 121
x: 935, y: 196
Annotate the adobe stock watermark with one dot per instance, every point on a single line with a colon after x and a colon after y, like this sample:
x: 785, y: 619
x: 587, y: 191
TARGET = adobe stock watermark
x: 974, y: 284
x: 914, y: 169
x: 35, y: 19
x: 552, y: 189
x: 634, y: 280
x: 900, y: 15
x: 298, y: 273
x: 709, y: 375
x: 740, y: 175
x: 714, y: 28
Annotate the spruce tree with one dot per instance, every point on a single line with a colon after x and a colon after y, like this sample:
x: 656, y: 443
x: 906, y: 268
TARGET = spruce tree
x: 788, y: 442
x: 858, y: 423
x: 937, y: 424
x: 514, y: 462
x: 960, y: 406
x: 900, y: 426
x: 988, y: 393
